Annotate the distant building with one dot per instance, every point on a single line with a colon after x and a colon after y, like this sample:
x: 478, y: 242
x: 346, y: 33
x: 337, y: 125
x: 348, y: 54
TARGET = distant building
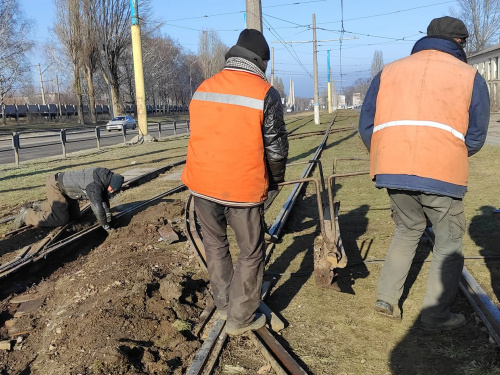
x: 488, y: 65
x: 341, y: 101
x: 357, y: 99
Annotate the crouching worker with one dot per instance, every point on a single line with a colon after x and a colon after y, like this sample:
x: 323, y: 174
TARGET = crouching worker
x: 238, y: 147
x: 64, y: 189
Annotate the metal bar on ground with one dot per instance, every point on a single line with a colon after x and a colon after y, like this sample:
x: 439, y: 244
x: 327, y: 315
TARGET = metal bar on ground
x: 284, y: 357
x: 482, y: 304
x: 201, y: 358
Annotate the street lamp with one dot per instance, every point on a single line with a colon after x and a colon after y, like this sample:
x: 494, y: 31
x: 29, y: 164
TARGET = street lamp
x: 190, y: 79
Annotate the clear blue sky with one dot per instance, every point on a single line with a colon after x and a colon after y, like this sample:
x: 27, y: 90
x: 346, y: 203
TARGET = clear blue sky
x: 391, y: 26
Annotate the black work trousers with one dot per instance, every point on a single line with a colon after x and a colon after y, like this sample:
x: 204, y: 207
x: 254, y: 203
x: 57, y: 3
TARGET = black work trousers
x: 235, y: 291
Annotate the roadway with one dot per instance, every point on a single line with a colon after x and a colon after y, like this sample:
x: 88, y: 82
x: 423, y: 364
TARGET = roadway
x: 36, y: 146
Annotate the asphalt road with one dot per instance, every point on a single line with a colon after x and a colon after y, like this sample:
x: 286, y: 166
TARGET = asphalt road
x: 35, y: 146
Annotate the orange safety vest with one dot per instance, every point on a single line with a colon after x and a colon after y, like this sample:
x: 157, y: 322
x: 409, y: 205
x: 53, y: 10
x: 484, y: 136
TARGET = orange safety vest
x: 225, y: 158
x: 422, y: 117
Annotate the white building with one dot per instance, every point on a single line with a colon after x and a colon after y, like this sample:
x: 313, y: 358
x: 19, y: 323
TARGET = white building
x: 341, y: 102
x: 488, y: 65
x: 357, y: 99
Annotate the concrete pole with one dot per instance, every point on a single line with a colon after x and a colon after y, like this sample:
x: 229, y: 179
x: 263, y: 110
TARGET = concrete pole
x: 41, y: 83
x: 272, y: 66
x: 315, y: 67
x: 140, y: 95
x: 329, y: 85
x: 254, y: 14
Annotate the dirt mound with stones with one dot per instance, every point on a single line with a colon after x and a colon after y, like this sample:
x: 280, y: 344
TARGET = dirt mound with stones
x: 127, y: 307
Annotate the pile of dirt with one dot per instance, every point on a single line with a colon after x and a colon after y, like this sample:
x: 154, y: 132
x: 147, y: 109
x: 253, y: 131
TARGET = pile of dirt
x: 127, y: 307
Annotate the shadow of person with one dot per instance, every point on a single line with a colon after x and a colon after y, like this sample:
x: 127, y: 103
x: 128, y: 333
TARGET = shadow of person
x: 352, y: 226
x: 463, y: 350
x: 304, y: 218
x: 485, y: 232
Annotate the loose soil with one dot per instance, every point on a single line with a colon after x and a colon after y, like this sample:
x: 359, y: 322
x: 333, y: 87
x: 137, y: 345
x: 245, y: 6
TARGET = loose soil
x: 128, y: 307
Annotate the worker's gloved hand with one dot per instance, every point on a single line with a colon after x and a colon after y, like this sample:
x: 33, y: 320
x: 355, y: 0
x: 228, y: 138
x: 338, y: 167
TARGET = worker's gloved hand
x: 108, y: 228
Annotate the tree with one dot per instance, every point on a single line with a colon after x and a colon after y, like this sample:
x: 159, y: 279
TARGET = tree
x: 88, y: 52
x: 377, y: 63
x: 278, y: 85
x: 211, y: 53
x: 14, y: 46
x: 361, y: 86
x: 113, y: 34
x: 482, y: 19
x: 67, y: 28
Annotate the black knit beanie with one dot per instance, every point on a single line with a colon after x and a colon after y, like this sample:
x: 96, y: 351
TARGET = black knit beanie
x: 448, y: 27
x: 116, y: 182
x: 254, y: 41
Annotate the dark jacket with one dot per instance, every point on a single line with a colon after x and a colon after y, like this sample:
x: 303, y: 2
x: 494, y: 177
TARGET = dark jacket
x: 273, y: 129
x: 91, y: 184
x: 479, y: 112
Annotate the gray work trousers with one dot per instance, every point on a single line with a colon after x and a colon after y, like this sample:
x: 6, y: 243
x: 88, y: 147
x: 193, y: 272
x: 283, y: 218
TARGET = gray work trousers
x: 57, y: 210
x: 235, y: 291
x: 409, y: 212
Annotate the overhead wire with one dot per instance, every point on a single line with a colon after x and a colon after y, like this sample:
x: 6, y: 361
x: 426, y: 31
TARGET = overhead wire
x: 280, y: 39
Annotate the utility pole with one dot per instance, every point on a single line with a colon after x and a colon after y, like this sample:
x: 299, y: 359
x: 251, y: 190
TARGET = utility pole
x: 58, y: 97
x: 315, y: 74
x: 254, y: 14
x: 329, y: 85
x: 272, y: 66
x: 41, y: 83
x: 140, y: 95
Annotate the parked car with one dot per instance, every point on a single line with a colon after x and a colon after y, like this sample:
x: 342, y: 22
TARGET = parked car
x: 118, y: 122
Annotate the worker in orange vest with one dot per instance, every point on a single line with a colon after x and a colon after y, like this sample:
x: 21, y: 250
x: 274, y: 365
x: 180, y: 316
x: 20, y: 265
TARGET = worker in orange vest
x: 421, y: 119
x: 238, y: 148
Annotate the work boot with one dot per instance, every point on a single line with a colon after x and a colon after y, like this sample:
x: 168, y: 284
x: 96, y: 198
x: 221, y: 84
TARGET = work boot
x: 19, y: 220
x: 37, y: 206
x: 258, y: 322
x: 453, y: 322
x: 387, y: 309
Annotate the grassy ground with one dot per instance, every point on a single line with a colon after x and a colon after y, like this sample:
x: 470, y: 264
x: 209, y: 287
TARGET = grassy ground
x: 331, y: 332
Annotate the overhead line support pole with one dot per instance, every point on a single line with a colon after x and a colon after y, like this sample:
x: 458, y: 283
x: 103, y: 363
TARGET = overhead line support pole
x: 315, y: 68
x: 254, y: 14
x: 140, y: 95
x: 329, y: 85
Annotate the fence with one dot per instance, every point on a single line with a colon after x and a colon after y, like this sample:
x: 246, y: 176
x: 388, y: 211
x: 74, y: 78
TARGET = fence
x: 53, y: 110
x: 24, y: 141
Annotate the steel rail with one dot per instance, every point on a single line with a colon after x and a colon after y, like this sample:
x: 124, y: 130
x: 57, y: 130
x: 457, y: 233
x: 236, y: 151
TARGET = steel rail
x: 479, y: 300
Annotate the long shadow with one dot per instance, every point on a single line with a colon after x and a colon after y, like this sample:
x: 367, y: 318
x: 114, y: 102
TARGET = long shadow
x: 485, y: 232
x: 336, y: 143
x: 303, y: 155
x: 461, y: 351
x: 69, y: 166
x: 302, y: 245
x: 352, y: 226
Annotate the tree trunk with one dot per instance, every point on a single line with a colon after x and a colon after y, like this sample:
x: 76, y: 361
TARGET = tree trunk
x: 78, y: 92
x: 90, y: 83
x: 115, y: 97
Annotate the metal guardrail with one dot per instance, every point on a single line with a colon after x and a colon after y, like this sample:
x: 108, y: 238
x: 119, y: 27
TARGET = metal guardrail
x: 63, y: 135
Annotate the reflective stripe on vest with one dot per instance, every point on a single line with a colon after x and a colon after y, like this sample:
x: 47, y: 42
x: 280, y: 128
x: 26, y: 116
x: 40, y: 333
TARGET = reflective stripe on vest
x: 432, y: 124
x: 226, y: 158
x: 243, y: 101
x: 422, y: 117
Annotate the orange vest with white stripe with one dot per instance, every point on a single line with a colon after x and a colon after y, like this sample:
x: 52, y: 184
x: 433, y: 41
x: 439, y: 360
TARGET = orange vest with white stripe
x: 225, y: 158
x: 422, y: 117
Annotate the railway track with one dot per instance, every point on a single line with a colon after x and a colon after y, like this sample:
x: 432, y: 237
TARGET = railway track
x: 281, y: 361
